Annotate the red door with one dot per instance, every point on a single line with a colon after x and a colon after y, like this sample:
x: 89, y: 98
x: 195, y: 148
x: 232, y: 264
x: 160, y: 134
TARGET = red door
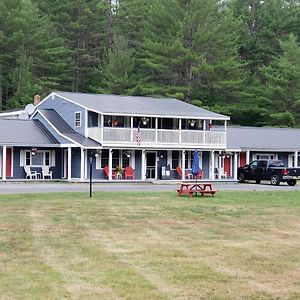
x: 242, y: 159
x: 8, y: 162
x: 227, y: 165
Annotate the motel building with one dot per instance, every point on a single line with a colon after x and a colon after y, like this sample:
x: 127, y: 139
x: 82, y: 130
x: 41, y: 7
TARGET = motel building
x: 125, y: 138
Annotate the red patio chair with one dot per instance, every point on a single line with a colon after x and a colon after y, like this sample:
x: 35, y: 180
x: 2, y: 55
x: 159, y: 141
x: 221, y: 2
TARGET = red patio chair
x: 200, y: 175
x: 129, y: 173
x: 106, y: 171
x: 179, y: 172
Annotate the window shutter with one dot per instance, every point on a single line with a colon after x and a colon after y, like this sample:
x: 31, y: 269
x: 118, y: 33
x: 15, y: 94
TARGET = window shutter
x: 53, y: 158
x: 22, y: 158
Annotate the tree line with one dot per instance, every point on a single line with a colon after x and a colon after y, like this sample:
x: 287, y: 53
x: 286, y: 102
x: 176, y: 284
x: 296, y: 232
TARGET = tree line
x: 237, y: 57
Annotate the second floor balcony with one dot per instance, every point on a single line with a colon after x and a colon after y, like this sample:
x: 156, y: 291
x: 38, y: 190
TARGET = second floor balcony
x: 155, y: 132
x: 158, y: 137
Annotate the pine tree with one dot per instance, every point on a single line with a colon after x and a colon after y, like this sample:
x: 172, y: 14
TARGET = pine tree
x: 282, y: 83
x: 30, y: 60
x: 85, y: 27
x: 190, y: 52
x: 117, y: 76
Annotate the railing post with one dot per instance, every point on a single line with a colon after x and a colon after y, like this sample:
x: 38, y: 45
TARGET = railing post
x: 156, y: 131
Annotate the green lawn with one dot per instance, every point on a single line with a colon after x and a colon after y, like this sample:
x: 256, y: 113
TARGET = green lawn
x: 238, y: 245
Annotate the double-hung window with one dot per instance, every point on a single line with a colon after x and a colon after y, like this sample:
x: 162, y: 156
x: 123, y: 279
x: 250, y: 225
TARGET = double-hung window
x: 40, y: 158
x: 78, y: 119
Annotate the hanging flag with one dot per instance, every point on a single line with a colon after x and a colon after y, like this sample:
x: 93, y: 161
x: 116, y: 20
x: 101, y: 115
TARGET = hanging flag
x: 138, y: 136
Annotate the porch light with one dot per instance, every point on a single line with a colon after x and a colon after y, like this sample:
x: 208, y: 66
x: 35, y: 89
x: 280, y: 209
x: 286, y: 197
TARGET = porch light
x: 192, y: 123
x: 225, y: 154
x: 144, y: 120
x: 127, y: 153
x: 97, y: 152
x: 33, y: 150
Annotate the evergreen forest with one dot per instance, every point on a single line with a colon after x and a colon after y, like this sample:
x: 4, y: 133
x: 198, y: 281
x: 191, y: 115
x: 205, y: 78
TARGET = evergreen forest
x: 236, y: 57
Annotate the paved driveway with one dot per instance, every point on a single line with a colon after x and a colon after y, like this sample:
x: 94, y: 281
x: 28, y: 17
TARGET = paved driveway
x: 45, y: 187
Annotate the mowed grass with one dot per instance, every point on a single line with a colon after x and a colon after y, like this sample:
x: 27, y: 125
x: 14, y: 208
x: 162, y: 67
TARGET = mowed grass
x: 238, y: 245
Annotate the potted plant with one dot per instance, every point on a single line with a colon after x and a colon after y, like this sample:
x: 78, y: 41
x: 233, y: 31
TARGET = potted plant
x: 118, y: 170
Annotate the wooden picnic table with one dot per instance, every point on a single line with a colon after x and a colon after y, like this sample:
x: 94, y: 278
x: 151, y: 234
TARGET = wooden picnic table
x: 191, y: 188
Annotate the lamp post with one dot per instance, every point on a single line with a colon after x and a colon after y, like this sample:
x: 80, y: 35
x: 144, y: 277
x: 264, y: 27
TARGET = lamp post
x: 91, y: 174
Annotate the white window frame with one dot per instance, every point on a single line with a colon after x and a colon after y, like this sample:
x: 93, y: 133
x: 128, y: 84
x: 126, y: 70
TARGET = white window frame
x: 77, y: 122
x: 258, y: 156
x: 291, y: 160
x: 44, y: 158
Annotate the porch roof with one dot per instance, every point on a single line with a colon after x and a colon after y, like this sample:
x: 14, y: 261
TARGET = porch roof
x: 17, y: 132
x: 142, y: 106
x: 66, y: 130
x: 263, y: 138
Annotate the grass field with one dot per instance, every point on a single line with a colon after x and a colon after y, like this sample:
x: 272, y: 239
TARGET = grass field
x: 238, y: 245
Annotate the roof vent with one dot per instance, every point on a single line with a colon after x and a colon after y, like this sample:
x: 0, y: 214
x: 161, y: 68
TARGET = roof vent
x: 36, y: 99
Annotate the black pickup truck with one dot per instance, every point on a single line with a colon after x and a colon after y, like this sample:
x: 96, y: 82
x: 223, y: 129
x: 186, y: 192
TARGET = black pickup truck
x: 273, y: 170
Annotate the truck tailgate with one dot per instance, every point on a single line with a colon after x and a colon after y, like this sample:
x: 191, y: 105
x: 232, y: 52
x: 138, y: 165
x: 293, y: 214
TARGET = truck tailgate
x: 293, y: 172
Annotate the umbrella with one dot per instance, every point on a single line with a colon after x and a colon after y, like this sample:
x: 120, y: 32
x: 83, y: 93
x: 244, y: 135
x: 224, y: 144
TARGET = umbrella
x: 195, y: 166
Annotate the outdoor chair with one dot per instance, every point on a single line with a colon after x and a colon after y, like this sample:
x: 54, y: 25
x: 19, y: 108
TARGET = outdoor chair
x: 200, y: 175
x: 179, y: 172
x: 222, y: 173
x: 129, y: 173
x: 46, y: 172
x: 30, y: 174
x: 106, y: 172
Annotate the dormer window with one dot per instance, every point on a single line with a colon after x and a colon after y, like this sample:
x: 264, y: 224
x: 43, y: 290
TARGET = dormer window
x: 78, y: 119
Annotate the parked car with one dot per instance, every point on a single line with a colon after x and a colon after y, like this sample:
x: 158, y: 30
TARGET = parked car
x: 273, y: 170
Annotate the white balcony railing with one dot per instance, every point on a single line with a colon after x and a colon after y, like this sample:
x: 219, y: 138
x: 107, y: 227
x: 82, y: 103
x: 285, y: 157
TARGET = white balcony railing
x: 127, y: 136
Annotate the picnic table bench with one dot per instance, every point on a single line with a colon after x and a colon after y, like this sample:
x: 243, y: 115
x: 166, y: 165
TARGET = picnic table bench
x: 191, y: 188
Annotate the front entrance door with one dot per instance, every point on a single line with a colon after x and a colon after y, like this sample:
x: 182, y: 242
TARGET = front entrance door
x: 8, y: 162
x: 151, y: 165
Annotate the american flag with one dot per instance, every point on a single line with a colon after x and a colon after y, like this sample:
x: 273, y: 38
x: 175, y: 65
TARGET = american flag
x: 138, y: 136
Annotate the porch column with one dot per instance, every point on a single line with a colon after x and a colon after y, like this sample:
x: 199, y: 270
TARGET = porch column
x: 143, y: 171
x: 183, y: 164
x: 82, y: 167
x: 296, y: 159
x: 4, y: 162
x: 69, y: 162
x: 247, y: 157
x: 235, y: 166
x: 110, y: 151
x: 219, y: 166
x: 212, y: 165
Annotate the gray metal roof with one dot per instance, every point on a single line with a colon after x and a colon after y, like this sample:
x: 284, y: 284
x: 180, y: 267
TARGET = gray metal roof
x: 263, y: 138
x: 16, y: 132
x: 64, y: 128
x: 116, y: 104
